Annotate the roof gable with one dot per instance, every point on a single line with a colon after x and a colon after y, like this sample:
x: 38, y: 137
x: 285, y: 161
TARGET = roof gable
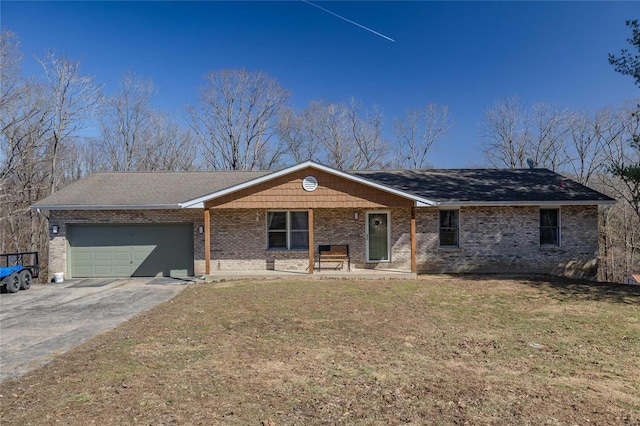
x: 289, y: 192
x: 308, y: 165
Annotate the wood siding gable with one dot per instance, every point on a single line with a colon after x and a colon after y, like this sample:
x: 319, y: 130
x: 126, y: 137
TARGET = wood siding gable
x: 286, y: 193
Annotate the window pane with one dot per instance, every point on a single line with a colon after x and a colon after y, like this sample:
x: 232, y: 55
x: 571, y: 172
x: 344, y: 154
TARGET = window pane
x: 277, y: 240
x: 299, y: 240
x: 277, y: 220
x: 448, y: 218
x: 548, y: 217
x: 549, y: 236
x: 449, y: 237
x: 299, y: 220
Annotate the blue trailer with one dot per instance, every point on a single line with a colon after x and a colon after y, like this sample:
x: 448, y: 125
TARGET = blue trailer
x: 18, y: 270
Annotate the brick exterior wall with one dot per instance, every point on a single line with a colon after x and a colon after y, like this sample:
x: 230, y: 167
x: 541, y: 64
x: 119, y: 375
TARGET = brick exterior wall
x: 239, y: 239
x: 507, y: 239
x: 492, y: 239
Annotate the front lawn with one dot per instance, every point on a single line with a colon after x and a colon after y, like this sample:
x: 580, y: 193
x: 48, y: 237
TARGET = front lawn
x: 437, y: 350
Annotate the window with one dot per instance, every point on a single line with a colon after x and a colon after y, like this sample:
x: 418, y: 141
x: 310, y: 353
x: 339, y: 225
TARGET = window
x: 288, y: 230
x: 550, y: 227
x: 449, y: 228
x: 299, y: 230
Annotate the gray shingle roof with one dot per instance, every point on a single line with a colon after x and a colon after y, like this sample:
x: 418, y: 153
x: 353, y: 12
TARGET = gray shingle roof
x: 144, y: 188
x: 450, y: 186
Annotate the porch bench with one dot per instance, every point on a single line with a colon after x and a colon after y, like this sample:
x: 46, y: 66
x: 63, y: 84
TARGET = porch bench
x: 334, y: 253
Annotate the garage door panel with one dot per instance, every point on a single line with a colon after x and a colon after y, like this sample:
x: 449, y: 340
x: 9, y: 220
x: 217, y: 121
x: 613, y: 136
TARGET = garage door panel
x: 102, y: 270
x: 122, y: 256
x: 102, y: 256
x: 83, y: 271
x: 140, y: 253
x: 130, y: 250
x: 121, y: 271
x: 83, y: 256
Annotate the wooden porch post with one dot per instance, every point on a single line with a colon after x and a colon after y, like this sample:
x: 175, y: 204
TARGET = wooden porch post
x: 310, y: 241
x: 207, y: 240
x: 413, y: 240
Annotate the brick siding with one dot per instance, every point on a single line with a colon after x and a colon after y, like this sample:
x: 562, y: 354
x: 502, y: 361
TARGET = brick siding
x: 507, y: 239
x: 492, y: 239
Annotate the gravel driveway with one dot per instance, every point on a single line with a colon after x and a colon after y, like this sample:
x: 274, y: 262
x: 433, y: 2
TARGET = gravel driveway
x: 49, y: 319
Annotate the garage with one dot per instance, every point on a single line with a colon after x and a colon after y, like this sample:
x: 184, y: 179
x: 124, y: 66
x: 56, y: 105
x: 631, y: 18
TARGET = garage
x: 130, y: 250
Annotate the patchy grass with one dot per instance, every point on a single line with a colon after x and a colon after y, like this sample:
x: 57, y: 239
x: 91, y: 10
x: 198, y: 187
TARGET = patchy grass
x: 437, y: 350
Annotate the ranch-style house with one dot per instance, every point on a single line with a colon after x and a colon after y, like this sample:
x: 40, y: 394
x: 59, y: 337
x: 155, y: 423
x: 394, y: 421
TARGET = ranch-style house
x: 416, y: 221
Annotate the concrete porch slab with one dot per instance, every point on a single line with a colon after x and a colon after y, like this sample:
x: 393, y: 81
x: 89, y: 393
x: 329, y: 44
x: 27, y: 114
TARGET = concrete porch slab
x: 324, y: 274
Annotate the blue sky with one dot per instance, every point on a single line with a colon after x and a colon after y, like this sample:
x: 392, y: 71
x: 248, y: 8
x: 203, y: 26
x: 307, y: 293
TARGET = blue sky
x: 466, y: 55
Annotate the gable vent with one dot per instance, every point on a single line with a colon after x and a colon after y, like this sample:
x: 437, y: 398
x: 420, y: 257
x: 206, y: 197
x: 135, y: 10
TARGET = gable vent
x: 309, y: 183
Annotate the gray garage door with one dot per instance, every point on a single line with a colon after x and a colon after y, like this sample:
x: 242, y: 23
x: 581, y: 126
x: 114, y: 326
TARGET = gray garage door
x: 130, y: 250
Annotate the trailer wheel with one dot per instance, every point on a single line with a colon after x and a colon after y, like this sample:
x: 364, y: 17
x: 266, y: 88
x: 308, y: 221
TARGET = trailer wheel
x: 13, y: 283
x: 25, y: 279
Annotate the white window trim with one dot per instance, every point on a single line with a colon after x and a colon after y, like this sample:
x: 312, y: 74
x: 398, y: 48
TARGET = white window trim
x: 550, y: 246
x: 440, y: 246
x: 287, y: 231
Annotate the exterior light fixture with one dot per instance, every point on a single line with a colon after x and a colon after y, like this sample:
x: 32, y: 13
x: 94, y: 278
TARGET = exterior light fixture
x: 54, y: 229
x: 200, y: 229
x: 355, y: 215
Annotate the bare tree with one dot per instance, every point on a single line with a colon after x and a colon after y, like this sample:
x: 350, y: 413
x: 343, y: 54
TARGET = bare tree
x: 516, y: 138
x: 366, y: 128
x: 628, y: 169
x: 584, y: 148
x: 341, y: 135
x: 25, y: 126
x: 330, y: 127
x: 235, y: 120
x: 126, y: 124
x: 39, y: 121
x: 292, y: 131
x: 10, y: 62
x: 616, y: 130
x: 547, y: 130
x: 417, y: 133
x: 73, y: 98
x: 504, y: 134
x: 620, y: 244
x: 172, y: 149
x: 135, y: 136
x: 24, y: 118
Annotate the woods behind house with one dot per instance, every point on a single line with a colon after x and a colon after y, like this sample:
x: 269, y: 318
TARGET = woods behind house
x: 61, y: 125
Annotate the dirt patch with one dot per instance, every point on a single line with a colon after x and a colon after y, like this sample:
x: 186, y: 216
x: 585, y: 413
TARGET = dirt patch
x: 439, y: 350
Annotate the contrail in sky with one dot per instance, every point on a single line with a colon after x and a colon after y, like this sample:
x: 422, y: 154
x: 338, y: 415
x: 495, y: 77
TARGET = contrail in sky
x: 349, y: 21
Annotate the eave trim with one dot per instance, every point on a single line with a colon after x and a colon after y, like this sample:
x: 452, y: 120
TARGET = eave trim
x: 524, y: 203
x: 108, y: 207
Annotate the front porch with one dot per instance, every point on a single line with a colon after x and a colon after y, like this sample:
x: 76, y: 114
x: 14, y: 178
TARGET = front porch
x: 355, y: 273
x: 379, y: 241
x: 283, y: 218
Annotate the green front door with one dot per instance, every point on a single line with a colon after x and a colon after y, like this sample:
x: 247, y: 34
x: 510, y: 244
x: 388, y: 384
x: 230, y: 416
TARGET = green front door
x: 130, y: 250
x: 378, y: 233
